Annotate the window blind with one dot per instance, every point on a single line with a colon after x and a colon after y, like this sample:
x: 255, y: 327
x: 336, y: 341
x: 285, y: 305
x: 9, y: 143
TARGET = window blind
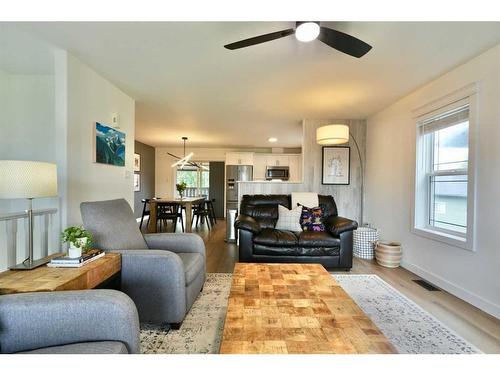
x: 445, y: 120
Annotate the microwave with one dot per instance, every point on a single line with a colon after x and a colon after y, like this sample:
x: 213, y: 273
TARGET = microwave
x: 277, y: 173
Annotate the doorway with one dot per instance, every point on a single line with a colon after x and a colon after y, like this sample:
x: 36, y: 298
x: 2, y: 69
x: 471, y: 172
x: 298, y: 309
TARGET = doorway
x: 216, y: 187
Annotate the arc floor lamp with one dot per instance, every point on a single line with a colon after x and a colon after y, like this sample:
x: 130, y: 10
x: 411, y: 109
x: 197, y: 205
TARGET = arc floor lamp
x: 336, y: 134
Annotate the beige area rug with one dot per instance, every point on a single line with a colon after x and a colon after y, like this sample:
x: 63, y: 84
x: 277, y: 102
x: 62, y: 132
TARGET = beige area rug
x: 409, y: 328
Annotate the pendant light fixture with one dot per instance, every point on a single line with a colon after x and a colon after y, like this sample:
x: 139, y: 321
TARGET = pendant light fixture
x: 186, y: 159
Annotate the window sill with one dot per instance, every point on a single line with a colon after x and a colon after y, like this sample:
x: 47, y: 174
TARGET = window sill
x: 449, y: 239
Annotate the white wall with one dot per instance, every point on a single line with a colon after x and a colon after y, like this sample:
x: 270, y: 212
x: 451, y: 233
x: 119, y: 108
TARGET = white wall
x: 472, y: 276
x: 26, y: 133
x: 51, y: 118
x: 92, y: 98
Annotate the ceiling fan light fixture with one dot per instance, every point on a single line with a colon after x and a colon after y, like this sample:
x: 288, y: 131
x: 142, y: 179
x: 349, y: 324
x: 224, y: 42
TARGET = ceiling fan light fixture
x: 307, y: 31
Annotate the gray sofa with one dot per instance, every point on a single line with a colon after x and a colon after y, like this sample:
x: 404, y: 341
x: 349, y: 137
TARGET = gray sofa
x: 76, y: 322
x: 162, y: 273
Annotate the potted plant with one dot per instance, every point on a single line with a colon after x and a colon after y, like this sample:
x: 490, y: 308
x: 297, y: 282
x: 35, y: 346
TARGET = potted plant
x: 181, y: 187
x: 79, y: 240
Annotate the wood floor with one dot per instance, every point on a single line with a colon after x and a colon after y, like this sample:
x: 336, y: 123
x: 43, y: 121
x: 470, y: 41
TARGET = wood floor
x: 477, y: 327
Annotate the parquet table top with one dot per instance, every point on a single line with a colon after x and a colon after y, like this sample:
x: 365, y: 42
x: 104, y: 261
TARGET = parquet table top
x: 295, y: 309
x: 47, y: 279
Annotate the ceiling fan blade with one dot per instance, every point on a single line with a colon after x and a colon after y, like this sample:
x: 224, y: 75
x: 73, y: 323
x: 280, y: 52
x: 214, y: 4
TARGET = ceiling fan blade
x: 259, y: 39
x: 343, y: 42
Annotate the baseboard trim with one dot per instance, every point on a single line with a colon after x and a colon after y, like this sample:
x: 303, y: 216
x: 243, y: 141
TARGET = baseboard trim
x: 475, y: 300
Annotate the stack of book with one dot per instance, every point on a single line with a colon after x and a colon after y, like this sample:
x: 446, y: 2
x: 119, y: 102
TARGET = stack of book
x: 67, y: 262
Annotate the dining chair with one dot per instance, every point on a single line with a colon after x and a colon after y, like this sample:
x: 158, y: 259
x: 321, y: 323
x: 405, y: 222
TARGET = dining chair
x: 166, y: 212
x: 211, y: 211
x: 145, y: 211
x: 201, y: 212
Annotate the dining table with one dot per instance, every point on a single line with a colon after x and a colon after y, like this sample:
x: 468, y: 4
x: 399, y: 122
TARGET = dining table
x: 187, y: 202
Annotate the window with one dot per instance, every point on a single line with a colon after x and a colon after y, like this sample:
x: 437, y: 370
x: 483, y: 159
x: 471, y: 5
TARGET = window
x: 196, y: 179
x: 444, y: 195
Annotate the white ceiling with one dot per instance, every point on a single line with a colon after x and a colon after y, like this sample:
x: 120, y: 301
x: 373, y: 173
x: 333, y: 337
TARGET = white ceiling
x: 186, y: 83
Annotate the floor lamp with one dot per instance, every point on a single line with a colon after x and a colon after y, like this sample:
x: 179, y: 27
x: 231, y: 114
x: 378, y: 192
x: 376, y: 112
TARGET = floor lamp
x: 337, y: 134
x: 28, y: 180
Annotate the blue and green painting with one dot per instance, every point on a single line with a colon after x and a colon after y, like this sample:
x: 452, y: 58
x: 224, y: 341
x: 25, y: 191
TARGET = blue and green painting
x: 110, y: 145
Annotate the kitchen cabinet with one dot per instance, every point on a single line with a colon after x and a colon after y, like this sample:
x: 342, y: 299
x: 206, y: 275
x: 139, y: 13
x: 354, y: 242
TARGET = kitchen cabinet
x: 295, y: 168
x: 259, y: 167
x: 277, y: 160
x: 239, y: 158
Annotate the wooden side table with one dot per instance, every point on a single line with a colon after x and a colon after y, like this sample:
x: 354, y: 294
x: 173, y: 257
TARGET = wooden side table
x: 47, y: 279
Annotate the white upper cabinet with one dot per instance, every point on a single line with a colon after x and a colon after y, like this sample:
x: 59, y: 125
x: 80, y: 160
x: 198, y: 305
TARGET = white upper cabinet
x: 295, y: 164
x: 277, y: 160
x: 259, y: 166
x: 239, y: 158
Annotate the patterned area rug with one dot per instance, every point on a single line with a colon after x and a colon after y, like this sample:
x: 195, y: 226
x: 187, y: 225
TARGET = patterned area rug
x: 201, y: 330
x: 407, y: 326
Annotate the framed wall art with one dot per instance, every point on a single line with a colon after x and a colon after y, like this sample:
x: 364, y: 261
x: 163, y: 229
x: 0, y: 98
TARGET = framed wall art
x: 336, y: 165
x: 137, y: 162
x: 109, y: 145
x: 137, y: 182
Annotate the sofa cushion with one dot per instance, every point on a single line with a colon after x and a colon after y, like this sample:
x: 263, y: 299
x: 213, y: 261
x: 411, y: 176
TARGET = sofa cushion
x: 96, y: 347
x: 318, y: 244
x: 319, y: 251
x: 194, y: 263
x: 263, y: 208
x: 327, y: 203
x: 289, y: 219
x: 315, y: 239
x: 312, y: 219
x: 276, y: 237
x: 274, y: 250
x: 113, y: 225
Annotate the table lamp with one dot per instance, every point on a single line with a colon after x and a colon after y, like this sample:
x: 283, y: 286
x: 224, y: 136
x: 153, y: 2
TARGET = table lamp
x: 28, y: 180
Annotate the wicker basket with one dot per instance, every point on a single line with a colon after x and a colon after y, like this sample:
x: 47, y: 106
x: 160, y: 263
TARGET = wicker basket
x: 364, y: 241
x: 388, y: 254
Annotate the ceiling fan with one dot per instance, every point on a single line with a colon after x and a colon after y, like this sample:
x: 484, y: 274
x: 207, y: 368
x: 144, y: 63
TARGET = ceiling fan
x: 307, y: 32
x: 186, y: 159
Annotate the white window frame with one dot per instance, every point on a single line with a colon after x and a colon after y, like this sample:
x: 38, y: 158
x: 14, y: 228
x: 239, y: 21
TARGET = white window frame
x: 420, y: 215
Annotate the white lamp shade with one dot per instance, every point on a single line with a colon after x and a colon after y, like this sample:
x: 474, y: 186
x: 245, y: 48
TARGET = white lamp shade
x: 332, y: 134
x: 27, y: 179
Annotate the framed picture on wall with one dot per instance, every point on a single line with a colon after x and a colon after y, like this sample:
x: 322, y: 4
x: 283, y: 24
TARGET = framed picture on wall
x: 137, y: 162
x: 336, y: 164
x: 137, y: 182
x: 109, y: 145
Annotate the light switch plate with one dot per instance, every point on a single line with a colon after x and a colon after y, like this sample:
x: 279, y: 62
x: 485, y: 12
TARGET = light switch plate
x: 115, y: 120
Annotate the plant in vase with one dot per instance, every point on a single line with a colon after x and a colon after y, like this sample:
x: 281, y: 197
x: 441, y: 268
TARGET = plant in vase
x: 79, y: 240
x: 181, y: 187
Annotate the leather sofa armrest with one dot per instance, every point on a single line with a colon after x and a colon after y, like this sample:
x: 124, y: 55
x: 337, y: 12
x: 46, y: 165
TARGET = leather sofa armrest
x: 338, y: 224
x: 247, y: 223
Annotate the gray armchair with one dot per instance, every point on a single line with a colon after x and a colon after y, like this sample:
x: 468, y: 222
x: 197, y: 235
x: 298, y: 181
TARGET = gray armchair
x: 76, y: 322
x: 162, y: 273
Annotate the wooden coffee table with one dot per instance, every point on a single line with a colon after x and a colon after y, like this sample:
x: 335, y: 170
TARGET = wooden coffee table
x: 295, y: 309
x: 47, y: 279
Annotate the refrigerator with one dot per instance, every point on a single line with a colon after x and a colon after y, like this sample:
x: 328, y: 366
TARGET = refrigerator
x: 234, y: 173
